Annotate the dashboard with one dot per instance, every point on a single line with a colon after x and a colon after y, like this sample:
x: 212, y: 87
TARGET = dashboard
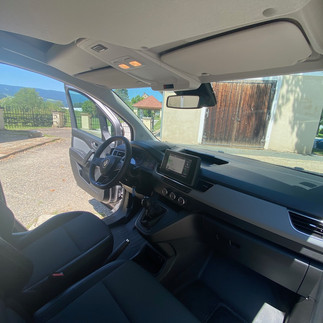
x: 282, y: 205
x: 140, y: 158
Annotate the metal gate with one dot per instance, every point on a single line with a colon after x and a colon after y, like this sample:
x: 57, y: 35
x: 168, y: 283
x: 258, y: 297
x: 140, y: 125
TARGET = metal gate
x: 241, y: 115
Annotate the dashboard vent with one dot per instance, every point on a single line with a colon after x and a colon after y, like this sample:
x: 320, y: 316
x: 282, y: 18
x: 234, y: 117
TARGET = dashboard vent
x: 118, y: 153
x: 307, y: 224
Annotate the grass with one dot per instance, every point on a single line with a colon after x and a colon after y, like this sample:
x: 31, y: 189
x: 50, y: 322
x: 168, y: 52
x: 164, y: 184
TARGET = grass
x: 157, y: 125
x: 318, y: 152
x: 26, y: 128
x: 320, y: 135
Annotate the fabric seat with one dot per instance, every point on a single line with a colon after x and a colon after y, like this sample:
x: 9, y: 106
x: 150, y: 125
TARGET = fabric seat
x: 118, y: 292
x: 69, y: 244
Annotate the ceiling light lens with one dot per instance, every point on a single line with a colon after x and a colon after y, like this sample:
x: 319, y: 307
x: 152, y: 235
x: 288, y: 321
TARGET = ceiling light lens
x: 124, y: 66
x: 135, y: 63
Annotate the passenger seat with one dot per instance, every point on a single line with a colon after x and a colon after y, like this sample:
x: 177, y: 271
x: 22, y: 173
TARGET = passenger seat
x: 119, y: 292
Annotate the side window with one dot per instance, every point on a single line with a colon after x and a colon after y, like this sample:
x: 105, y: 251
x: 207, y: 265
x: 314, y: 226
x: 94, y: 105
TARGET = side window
x: 89, y: 118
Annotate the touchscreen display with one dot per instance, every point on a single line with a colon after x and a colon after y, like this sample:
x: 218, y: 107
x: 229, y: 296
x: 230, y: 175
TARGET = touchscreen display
x: 175, y: 164
x: 180, y: 166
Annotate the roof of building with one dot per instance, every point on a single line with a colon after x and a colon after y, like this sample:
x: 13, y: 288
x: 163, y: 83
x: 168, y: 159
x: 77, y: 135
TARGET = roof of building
x: 150, y: 103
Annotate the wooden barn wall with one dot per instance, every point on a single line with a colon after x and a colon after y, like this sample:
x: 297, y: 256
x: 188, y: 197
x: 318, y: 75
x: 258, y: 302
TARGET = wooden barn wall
x: 241, y: 115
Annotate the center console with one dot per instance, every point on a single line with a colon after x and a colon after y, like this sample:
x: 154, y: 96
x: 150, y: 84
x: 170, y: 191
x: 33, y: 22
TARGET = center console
x: 178, y: 175
x: 167, y: 218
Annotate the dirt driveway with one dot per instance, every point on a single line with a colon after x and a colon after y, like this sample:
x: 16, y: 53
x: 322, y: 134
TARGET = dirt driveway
x: 38, y: 183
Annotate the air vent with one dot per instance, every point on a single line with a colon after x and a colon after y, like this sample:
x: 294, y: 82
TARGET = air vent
x: 118, y: 153
x: 307, y: 224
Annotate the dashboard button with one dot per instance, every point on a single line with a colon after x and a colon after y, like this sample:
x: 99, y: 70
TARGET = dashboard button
x: 172, y: 196
x: 181, y: 201
x: 164, y: 191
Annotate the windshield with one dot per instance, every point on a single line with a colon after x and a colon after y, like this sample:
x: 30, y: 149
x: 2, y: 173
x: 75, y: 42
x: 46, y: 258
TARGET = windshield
x: 274, y: 119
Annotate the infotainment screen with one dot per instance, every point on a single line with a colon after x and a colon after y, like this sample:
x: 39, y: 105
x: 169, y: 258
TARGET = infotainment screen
x: 181, y: 167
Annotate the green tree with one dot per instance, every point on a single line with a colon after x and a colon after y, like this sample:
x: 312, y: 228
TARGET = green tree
x: 28, y: 99
x: 53, y: 105
x: 136, y: 99
x: 89, y: 107
x: 321, y: 124
x: 6, y: 102
x: 148, y: 113
x: 124, y: 96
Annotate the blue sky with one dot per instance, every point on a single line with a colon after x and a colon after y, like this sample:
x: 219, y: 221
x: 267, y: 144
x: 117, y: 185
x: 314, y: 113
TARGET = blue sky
x: 15, y: 76
x: 147, y: 90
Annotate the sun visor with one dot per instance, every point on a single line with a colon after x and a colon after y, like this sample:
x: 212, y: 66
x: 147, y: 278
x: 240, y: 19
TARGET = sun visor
x: 268, y: 46
x: 111, y: 78
x: 71, y: 59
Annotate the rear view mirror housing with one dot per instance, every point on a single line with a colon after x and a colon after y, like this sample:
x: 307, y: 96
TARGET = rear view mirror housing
x: 192, y: 99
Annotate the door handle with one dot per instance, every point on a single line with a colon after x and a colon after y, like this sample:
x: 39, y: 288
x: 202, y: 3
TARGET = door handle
x: 95, y: 145
x: 85, y: 161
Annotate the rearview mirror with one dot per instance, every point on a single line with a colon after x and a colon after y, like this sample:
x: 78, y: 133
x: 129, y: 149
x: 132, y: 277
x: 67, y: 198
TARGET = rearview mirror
x: 183, y: 101
x: 192, y: 99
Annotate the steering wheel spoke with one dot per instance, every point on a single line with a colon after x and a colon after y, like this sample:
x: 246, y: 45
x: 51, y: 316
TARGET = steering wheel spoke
x: 119, y: 164
x: 111, y: 168
x: 97, y: 161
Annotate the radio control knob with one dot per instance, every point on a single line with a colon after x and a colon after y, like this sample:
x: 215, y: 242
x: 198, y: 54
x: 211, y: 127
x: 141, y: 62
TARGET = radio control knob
x: 181, y: 201
x: 172, y: 196
x: 164, y: 191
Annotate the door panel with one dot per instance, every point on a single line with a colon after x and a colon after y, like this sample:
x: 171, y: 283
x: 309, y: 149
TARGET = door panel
x: 92, y: 123
x: 80, y: 152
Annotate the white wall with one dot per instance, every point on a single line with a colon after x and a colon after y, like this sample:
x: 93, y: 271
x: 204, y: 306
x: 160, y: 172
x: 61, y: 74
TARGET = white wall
x: 181, y: 126
x: 296, y: 117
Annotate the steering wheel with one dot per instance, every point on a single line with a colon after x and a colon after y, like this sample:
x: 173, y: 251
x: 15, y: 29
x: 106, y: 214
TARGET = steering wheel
x: 111, y: 167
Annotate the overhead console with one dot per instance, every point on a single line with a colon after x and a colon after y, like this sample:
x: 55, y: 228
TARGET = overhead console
x: 144, y: 67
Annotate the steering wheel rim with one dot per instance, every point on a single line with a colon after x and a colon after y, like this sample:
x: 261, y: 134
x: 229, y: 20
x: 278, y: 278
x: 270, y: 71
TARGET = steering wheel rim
x: 110, y: 164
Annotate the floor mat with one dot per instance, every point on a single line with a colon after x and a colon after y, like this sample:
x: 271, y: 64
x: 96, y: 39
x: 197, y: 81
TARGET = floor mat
x: 224, y: 314
x: 206, y: 305
x: 226, y: 291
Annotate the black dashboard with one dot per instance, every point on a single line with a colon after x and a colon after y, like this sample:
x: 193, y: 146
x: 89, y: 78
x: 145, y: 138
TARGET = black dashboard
x: 277, y: 203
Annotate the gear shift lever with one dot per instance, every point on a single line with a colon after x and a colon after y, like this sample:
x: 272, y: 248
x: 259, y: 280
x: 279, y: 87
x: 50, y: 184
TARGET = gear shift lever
x: 153, y: 212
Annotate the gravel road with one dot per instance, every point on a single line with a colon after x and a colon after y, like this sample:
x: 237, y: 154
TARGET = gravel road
x: 39, y: 183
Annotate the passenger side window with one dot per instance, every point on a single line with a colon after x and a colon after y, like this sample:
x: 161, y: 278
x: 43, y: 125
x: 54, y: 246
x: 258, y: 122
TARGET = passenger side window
x: 89, y: 118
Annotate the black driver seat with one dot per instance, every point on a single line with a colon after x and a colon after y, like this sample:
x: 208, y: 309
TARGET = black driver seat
x: 57, y: 253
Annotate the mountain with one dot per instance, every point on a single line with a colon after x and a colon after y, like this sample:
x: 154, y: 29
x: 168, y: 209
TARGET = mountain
x: 11, y: 90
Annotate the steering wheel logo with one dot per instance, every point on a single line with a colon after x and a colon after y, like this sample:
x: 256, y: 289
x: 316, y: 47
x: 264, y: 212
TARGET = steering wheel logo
x: 106, y: 163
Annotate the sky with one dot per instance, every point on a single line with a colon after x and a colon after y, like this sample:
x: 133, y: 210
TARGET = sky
x: 11, y: 75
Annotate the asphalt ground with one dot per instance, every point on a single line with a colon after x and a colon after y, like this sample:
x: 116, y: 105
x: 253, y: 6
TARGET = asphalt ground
x: 38, y: 181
